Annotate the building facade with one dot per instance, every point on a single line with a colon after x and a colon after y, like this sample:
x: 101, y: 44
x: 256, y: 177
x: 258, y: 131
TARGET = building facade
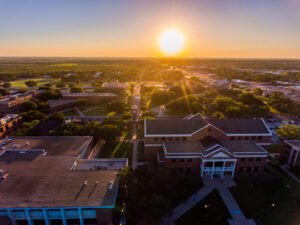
x: 291, y: 152
x: 9, y: 123
x: 209, y: 147
x: 12, y: 102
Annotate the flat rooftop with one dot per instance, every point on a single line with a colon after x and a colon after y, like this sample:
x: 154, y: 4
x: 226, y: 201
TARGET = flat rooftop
x: 88, y: 94
x: 40, y: 175
x: 60, y: 102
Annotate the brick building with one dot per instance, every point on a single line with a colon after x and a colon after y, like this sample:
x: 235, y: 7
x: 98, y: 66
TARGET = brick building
x: 9, y: 123
x: 210, y: 147
x: 12, y: 102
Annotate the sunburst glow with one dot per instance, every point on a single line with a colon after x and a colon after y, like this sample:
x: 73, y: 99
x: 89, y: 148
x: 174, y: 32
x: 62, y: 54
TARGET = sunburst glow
x: 171, y: 42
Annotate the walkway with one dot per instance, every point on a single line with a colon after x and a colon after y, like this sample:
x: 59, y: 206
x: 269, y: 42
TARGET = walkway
x: 237, y: 215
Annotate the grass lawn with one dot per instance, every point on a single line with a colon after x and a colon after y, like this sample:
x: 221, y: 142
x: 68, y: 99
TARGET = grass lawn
x: 40, y: 81
x: 216, y: 212
x: 255, y: 195
x: 117, y: 149
x: 71, y: 112
x: 99, y: 111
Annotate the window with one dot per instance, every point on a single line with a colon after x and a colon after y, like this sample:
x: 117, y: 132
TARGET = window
x: 173, y: 160
x: 163, y: 138
x: 190, y: 160
x: 155, y: 139
x: 209, y: 130
x: 250, y: 159
x: 249, y: 169
x: 181, y: 170
x: 243, y: 159
x: 253, y: 138
x: 239, y: 138
x: 177, y: 139
x: 188, y: 170
x: 258, y: 159
x: 184, y: 138
x: 181, y: 160
x: 260, y: 138
x: 232, y: 138
x: 246, y: 138
x: 256, y: 169
x: 241, y: 169
x: 170, y: 139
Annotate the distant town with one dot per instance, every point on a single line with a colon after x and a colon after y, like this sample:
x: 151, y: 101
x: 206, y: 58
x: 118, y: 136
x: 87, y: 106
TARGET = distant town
x: 166, y: 141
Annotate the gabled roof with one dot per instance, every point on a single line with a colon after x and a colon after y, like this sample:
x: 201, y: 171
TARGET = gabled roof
x: 173, y: 126
x: 189, y: 126
x: 240, y: 126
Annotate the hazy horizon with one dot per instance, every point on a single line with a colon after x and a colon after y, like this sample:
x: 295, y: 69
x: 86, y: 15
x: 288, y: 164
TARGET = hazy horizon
x: 235, y: 29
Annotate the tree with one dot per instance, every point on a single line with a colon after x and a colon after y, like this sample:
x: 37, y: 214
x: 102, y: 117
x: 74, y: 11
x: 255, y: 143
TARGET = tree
x: 33, y: 115
x: 117, y: 106
x: 29, y: 105
x: 6, y: 85
x: 3, y: 91
x: 26, y: 128
x: 57, y: 117
x: 289, y: 132
x: 126, y: 116
x: 31, y: 83
x: 49, y: 95
x: 250, y: 99
x: 61, y: 85
x: 109, y: 132
x: 76, y: 89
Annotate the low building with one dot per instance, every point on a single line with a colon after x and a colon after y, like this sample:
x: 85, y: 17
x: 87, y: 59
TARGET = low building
x: 92, y: 98
x: 12, y: 102
x: 60, y: 104
x: 114, y: 85
x: 9, y: 123
x: 291, y: 152
x: 210, y: 147
x: 50, y: 180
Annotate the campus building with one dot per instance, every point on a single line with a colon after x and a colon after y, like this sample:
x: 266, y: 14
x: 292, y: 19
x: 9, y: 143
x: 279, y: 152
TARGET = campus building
x: 12, y: 102
x: 210, y: 147
x: 9, y: 123
x: 92, y: 98
x: 291, y: 152
x: 52, y: 181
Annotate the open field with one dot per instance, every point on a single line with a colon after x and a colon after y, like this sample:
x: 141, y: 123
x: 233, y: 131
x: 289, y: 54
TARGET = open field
x: 40, y: 81
x: 71, y: 112
x: 98, y: 111
x: 271, y: 199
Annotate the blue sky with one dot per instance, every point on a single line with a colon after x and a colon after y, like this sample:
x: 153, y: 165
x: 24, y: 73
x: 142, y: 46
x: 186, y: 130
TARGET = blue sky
x: 215, y: 28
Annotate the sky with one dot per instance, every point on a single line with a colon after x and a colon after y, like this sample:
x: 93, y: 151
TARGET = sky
x: 131, y: 28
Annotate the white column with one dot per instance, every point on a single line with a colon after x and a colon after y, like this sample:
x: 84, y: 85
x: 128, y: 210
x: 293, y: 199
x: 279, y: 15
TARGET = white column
x: 224, y: 162
x: 46, y: 217
x: 80, y: 216
x: 202, y: 167
x: 296, y: 157
x: 212, y: 172
x: 290, y: 158
x: 233, y: 171
x: 29, y: 220
x: 63, y: 217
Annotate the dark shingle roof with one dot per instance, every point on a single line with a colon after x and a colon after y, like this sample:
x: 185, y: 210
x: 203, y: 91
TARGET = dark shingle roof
x: 240, y: 126
x: 174, y: 126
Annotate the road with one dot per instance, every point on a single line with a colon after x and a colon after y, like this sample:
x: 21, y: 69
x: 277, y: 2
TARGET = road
x: 136, y: 103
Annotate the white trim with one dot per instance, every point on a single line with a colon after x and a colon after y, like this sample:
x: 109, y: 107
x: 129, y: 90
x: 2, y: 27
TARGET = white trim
x: 266, y: 126
x: 153, y: 145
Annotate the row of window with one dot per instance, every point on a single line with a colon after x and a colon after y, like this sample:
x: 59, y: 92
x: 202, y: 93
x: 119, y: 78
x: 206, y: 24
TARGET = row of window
x: 247, y: 138
x: 170, y: 139
x: 182, y: 160
x: 250, y: 159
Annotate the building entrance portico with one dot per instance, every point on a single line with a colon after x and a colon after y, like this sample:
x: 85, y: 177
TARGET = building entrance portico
x: 217, y: 168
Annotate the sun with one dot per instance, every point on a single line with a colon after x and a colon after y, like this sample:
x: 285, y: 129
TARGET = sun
x: 171, y: 42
